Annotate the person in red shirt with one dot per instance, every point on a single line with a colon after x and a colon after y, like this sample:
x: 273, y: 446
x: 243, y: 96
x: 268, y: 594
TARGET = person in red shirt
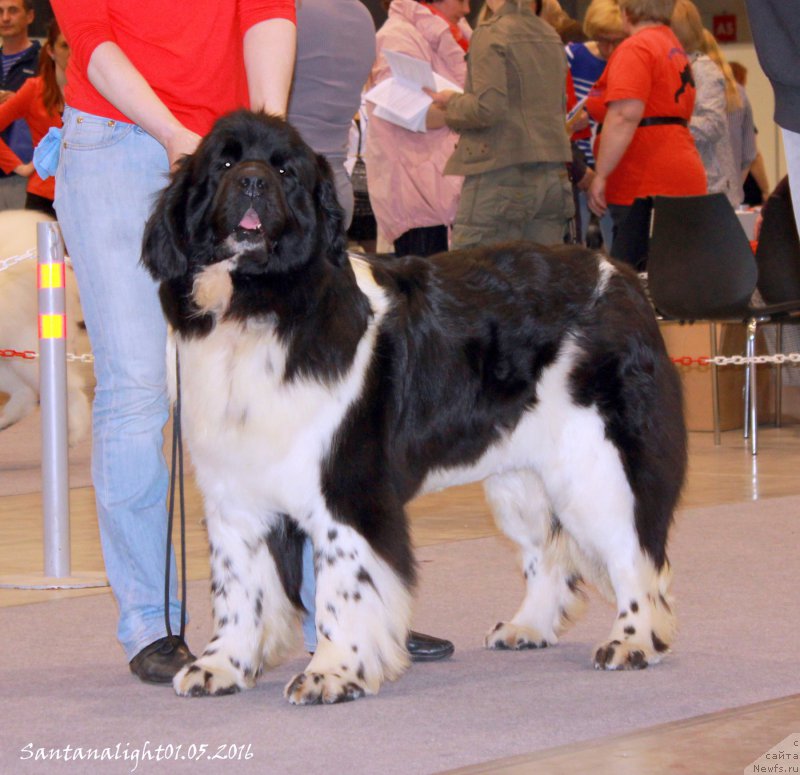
x: 644, y: 101
x: 145, y: 81
x: 39, y: 102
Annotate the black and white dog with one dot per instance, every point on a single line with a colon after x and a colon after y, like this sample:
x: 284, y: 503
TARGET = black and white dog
x: 322, y: 392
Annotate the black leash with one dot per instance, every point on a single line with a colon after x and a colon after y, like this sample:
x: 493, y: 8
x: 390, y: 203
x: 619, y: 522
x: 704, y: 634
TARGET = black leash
x: 177, y: 456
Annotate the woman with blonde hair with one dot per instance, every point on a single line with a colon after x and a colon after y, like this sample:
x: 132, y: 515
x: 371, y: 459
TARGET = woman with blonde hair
x: 709, y: 122
x: 644, y: 100
x: 711, y: 49
x: 741, y: 127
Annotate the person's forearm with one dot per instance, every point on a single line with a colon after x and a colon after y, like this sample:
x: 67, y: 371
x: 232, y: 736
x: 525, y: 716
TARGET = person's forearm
x: 619, y: 126
x: 618, y: 131
x: 269, y: 51
x: 114, y: 76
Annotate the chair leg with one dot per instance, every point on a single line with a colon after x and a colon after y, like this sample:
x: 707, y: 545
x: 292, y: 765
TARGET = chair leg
x: 779, y: 380
x: 752, y: 328
x: 714, y: 383
x: 746, y: 391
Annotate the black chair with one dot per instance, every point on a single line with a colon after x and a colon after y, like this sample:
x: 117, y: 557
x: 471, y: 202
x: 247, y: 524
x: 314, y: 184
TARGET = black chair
x: 631, y: 240
x: 701, y: 267
x: 778, y: 259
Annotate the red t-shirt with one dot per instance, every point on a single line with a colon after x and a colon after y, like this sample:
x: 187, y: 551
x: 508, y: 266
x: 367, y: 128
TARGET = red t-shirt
x: 652, y: 67
x: 190, y: 53
x: 27, y: 104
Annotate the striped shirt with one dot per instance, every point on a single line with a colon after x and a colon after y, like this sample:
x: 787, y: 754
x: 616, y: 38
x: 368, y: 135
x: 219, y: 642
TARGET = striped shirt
x: 586, y: 68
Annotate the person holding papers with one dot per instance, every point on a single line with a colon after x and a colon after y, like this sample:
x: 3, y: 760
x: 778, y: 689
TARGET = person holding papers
x: 514, y: 146
x: 414, y: 203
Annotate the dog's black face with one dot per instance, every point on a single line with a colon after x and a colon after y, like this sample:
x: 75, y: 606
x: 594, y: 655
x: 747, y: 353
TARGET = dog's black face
x: 255, y: 208
x: 253, y: 189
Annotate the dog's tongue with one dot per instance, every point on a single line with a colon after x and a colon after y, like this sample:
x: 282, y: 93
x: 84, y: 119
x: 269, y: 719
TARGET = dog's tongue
x: 250, y: 220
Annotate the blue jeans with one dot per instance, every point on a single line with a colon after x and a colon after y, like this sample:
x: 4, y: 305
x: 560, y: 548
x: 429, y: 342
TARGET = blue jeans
x: 108, y: 175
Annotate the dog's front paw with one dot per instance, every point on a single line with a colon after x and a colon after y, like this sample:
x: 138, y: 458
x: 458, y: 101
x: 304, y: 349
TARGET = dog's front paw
x: 506, y: 635
x: 619, y: 655
x: 199, y: 680
x: 323, y: 688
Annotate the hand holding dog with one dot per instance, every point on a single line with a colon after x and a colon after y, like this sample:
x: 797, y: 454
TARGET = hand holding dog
x: 183, y: 142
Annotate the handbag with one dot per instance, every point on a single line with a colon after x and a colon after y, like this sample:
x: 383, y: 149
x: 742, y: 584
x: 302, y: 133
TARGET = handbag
x: 358, y: 179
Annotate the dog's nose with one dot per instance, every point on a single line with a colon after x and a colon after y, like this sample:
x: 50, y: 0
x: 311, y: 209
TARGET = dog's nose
x: 252, y: 180
x: 252, y: 185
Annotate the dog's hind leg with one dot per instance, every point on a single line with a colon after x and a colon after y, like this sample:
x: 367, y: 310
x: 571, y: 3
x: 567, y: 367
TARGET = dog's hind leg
x: 645, y: 625
x: 22, y: 397
x: 363, y: 614
x: 255, y: 600
x: 553, y: 598
x: 598, y: 510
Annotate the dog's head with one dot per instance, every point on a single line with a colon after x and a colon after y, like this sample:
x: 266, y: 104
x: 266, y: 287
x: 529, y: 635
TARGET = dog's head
x: 253, y: 190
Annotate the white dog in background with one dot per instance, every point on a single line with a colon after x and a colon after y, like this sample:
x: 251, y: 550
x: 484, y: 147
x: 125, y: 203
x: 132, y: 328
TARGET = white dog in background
x: 19, y: 378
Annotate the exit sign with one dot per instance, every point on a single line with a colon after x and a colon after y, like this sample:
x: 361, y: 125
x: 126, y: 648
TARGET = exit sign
x: 724, y: 28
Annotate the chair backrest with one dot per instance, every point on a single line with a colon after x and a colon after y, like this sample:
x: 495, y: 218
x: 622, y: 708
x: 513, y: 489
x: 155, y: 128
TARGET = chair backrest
x: 630, y: 243
x: 700, y: 264
x: 778, y: 251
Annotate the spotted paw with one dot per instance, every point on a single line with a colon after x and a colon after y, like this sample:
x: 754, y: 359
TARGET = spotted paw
x: 198, y: 680
x: 618, y: 655
x: 506, y: 635
x: 323, y: 688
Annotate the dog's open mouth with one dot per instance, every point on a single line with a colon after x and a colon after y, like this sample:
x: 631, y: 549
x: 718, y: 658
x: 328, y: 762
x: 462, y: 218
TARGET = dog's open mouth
x: 250, y: 221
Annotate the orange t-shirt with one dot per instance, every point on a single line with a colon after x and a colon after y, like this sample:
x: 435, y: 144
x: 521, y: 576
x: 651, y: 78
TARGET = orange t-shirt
x: 652, y: 67
x: 27, y: 103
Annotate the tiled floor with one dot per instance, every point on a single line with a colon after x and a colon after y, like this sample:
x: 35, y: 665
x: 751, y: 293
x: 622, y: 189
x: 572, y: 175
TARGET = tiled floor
x: 711, y: 744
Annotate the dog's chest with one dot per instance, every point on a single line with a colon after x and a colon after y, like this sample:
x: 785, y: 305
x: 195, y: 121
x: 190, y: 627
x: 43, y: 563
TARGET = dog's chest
x: 247, y: 427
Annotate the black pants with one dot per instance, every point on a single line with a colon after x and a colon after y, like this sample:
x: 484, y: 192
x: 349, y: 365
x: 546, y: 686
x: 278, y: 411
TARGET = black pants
x: 424, y: 241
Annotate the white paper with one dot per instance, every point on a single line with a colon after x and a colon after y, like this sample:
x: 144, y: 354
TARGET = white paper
x: 400, y: 99
x: 411, y: 71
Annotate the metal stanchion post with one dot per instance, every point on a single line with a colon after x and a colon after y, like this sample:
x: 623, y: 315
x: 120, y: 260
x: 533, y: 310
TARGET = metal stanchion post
x: 53, y: 402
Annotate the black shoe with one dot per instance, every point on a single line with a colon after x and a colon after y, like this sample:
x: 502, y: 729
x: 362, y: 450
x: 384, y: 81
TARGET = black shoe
x: 426, y: 648
x: 160, y: 661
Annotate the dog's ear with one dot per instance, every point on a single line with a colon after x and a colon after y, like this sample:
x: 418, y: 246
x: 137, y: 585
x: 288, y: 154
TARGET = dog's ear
x: 165, y: 243
x: 331, y: 213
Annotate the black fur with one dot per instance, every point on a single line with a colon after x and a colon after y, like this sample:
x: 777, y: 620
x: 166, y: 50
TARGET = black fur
x: 285, y: 543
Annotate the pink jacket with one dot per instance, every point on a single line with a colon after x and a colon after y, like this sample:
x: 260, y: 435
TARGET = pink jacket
x: 405, y: 170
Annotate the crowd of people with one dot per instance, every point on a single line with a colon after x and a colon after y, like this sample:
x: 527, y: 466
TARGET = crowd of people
x: 653, y: 109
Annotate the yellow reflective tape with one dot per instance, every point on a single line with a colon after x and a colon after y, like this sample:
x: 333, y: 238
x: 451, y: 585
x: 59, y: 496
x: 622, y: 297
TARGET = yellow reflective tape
x: 51, y: 275
x: 51, y: 326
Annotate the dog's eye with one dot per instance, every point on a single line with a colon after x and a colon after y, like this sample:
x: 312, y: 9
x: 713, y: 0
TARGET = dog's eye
x: 282, y: 171
x: 227, y: 164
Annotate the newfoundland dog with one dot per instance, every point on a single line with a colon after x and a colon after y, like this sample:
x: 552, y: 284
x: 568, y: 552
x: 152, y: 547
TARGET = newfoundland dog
x: 322, y: 392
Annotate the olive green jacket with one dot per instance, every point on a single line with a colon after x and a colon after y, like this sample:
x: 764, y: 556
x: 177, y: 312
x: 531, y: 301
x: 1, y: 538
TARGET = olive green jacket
x: 513, y: 107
